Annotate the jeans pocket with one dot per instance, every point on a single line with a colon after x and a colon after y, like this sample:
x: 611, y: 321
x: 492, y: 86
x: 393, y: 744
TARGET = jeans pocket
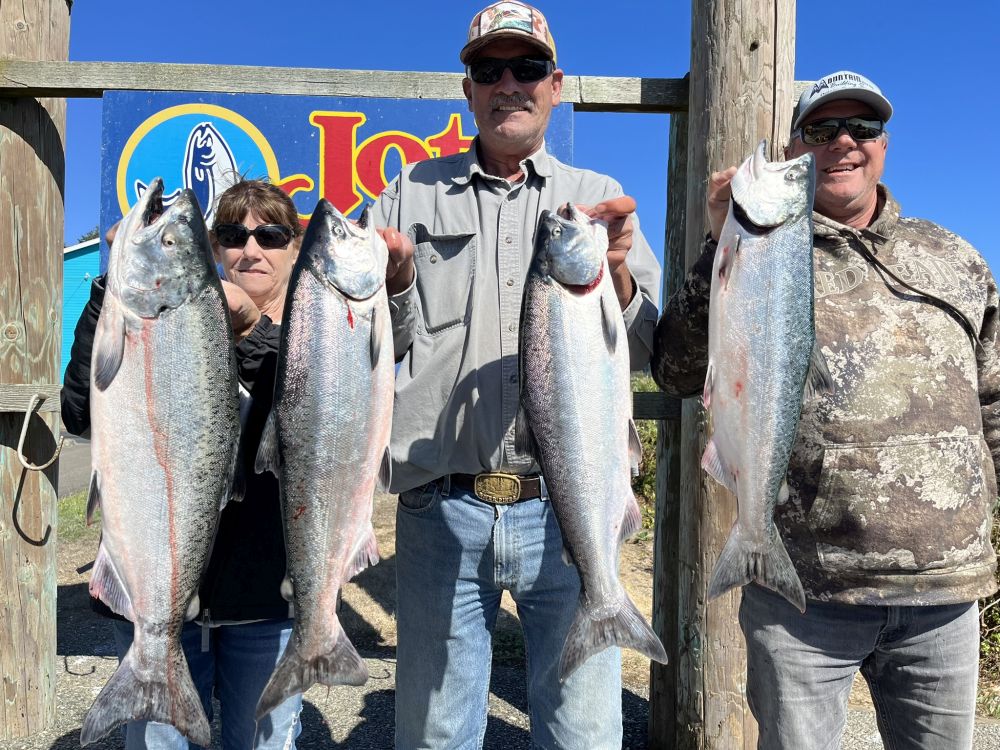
x: 903, y: 507
x: 420, y: 499
x: 446, y: 269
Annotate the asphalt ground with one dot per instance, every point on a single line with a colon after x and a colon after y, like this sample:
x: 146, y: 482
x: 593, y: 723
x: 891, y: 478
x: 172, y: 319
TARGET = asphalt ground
x: 342, y: 717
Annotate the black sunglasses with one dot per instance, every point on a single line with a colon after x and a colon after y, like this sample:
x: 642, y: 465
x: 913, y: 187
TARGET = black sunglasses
x: 269, y: 236
x: 823, y: 131
x: 487, y: 70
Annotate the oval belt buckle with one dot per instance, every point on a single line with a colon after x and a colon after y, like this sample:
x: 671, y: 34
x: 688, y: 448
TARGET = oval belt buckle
x: 501, y: 489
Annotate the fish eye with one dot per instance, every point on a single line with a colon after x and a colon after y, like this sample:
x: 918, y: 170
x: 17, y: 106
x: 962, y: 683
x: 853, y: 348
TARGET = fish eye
x: 557, y: 232
x: 338, y: 230
x: 168, y: 240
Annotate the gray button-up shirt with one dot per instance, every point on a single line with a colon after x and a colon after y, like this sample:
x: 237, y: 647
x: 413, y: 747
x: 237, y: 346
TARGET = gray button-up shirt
x: 456, y: 327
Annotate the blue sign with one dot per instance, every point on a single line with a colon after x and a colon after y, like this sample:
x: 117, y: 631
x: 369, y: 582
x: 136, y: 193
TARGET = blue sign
x: 343, y: 149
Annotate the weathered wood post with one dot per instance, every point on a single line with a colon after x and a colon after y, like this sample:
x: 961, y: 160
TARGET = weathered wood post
x: 31, y: 242
x: 742, y: 60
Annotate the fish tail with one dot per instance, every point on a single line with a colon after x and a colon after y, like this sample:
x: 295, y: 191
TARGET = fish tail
x: 127, y: 697
x: 589, y: 635
x: 296, y: 674
x: 743, y: 561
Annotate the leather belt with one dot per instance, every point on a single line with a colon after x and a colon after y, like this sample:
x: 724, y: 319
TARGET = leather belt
x: 497, y: 488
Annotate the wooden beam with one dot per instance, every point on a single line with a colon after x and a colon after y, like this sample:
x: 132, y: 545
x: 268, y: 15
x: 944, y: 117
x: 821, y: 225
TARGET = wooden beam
x: 741, y: 86
x: 92, y: 79
x: 31, y: 240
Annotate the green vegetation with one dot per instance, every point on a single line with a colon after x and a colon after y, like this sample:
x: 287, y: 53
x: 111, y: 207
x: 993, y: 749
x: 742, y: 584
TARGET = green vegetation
x: 989, y: 647
x: 73, y: 519
x: 644, y: 485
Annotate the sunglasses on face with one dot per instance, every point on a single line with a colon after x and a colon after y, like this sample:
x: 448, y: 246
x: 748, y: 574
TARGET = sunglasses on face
x: 268, y: 236
x: 487, y: 70
x: 823, y: 131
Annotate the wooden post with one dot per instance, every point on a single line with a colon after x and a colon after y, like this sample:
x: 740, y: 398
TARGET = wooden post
x: 31, y: 241
x: 742, y: 57
x: 666, y: 541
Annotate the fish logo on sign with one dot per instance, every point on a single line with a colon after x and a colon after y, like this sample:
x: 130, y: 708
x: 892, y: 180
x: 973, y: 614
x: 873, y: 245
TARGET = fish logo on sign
x: 209, y: 168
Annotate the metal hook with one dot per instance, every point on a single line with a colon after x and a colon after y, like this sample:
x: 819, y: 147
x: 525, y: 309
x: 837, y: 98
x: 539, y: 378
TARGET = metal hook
x: 36, y: 401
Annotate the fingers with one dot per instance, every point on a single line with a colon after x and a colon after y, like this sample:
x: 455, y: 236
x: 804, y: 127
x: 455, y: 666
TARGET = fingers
x: 399, y: 270
x: 614, y: 208
x: 719, y: 192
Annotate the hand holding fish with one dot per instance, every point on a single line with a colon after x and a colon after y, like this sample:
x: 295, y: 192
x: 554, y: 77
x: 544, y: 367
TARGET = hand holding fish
x: 243, y: 313
x: 617, y: 213
x: 719, y: 193
x: 399, y: 270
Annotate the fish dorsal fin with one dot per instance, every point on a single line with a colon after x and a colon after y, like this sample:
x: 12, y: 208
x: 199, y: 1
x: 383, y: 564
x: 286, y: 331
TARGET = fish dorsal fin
x: 109, y: 342
x: 524, y: 438
x: 93, y: 497
x: 609, y: 324
x: 385, y: 471
x: 267, y: 455
x: 706, y: 393
x: 715, y: 465
x: 376, y: 338
x: 634, y: 448
x: 818, y: 379
x: 106, y: 585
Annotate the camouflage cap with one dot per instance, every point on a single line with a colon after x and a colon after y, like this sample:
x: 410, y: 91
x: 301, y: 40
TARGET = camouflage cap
x: 841, y: 85
x: 509, y: 19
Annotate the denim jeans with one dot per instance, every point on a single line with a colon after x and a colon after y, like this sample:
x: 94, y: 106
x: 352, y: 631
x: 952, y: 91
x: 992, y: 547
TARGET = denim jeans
x: 237, y: 664
x: 455, y: 555
x: 921, y: 664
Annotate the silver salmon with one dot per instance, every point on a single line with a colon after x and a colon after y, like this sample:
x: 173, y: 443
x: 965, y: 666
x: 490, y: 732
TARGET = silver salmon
x: 762, y: 359
x: 327, y: 440
x: 165, y: 415
x: 577, y: 420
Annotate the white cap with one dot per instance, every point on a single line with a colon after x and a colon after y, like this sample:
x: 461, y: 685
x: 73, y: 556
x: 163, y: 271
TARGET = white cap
x: 841, y: 85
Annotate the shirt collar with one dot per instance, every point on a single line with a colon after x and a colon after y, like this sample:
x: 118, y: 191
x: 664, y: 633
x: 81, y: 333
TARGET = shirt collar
x: 539, y: 162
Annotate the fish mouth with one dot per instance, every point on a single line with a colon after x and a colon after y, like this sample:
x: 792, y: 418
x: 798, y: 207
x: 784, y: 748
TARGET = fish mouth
x: 581, y: 289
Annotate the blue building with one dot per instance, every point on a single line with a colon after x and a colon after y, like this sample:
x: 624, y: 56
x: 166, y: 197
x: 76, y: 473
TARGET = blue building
x: 81, y: 263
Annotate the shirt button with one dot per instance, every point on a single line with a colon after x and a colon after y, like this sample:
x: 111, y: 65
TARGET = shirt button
x: 511, y: 326
x: 513, y: 378
x: 434, y: 259
x: 510, y: 282
x: 507, y: 239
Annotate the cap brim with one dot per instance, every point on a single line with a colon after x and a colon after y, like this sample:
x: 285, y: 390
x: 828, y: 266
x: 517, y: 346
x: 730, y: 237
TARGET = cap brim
x: 469, y: 50
x: 874, y: 100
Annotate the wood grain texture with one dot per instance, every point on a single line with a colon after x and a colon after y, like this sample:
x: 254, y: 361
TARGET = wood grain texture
x: 666, y: 540
x: 31, y: 240
x: 742, y: 56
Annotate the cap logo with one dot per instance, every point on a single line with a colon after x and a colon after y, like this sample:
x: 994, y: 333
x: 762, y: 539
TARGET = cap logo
x: 506, y: 16
x: 840, y: 80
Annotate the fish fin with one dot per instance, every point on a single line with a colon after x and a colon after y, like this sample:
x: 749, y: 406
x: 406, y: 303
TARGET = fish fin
x: 365, y: 555
x: 93, y: 497
x: 728, y: 263
x: 172, y: 699
x: 818, y: 379
x: 295, y: 674
x: 524, y: 438
x: 608, y: 324
x: 717, y: 468
x: 743, y: 561
x: 193, y: 608
x: 385, y: 471
x: 106, y: 585
x: 633, y: 517
x: 238, y: 489
x: 287, y: 589
x: 567, y: 557
x: 375, y: 343
x: 706, y: 392
x: 109, y: 343
x: 267, y: 454
x: 634, y: 448
x: 626, y: 628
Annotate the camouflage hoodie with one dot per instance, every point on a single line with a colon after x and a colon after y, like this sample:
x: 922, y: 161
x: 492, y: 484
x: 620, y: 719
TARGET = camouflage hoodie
x: 892, y: 478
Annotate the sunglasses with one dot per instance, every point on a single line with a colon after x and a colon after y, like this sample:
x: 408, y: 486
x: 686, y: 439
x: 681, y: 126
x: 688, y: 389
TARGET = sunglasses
x: 823, y: 131
x: 268, y: 236
x: 487, y: 70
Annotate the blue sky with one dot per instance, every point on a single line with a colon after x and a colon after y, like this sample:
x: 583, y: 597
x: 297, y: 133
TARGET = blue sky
x: 936, y: 65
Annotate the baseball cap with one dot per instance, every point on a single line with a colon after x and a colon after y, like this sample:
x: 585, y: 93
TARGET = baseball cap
x: 508, y: 20
x: 842, y: 85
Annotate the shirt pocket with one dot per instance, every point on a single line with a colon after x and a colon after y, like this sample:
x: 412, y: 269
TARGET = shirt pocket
x: 910, y: 507
x: 446, y: 271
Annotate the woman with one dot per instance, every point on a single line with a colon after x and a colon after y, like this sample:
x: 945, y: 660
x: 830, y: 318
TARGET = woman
x: 244, y: 625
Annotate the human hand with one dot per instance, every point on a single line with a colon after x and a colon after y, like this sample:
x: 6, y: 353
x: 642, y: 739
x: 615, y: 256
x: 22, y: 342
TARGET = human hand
x: 399, y: 270
x: 719, y: 193
x: 617, y: 214
x: 243, y: 312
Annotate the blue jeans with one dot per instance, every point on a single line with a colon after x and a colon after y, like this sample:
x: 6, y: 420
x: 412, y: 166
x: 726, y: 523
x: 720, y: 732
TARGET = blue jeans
x: 237, y: 664
x: 455, y: 555
x: 921, y: 664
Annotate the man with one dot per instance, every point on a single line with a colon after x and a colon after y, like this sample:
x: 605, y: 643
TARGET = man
x: 892, y: 478
x: 461, y: 236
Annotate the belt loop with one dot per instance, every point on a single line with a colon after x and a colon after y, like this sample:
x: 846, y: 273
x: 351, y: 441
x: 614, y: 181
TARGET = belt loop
x: 446, y: 485
x: 205, y: 630
x: 543, y: 489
